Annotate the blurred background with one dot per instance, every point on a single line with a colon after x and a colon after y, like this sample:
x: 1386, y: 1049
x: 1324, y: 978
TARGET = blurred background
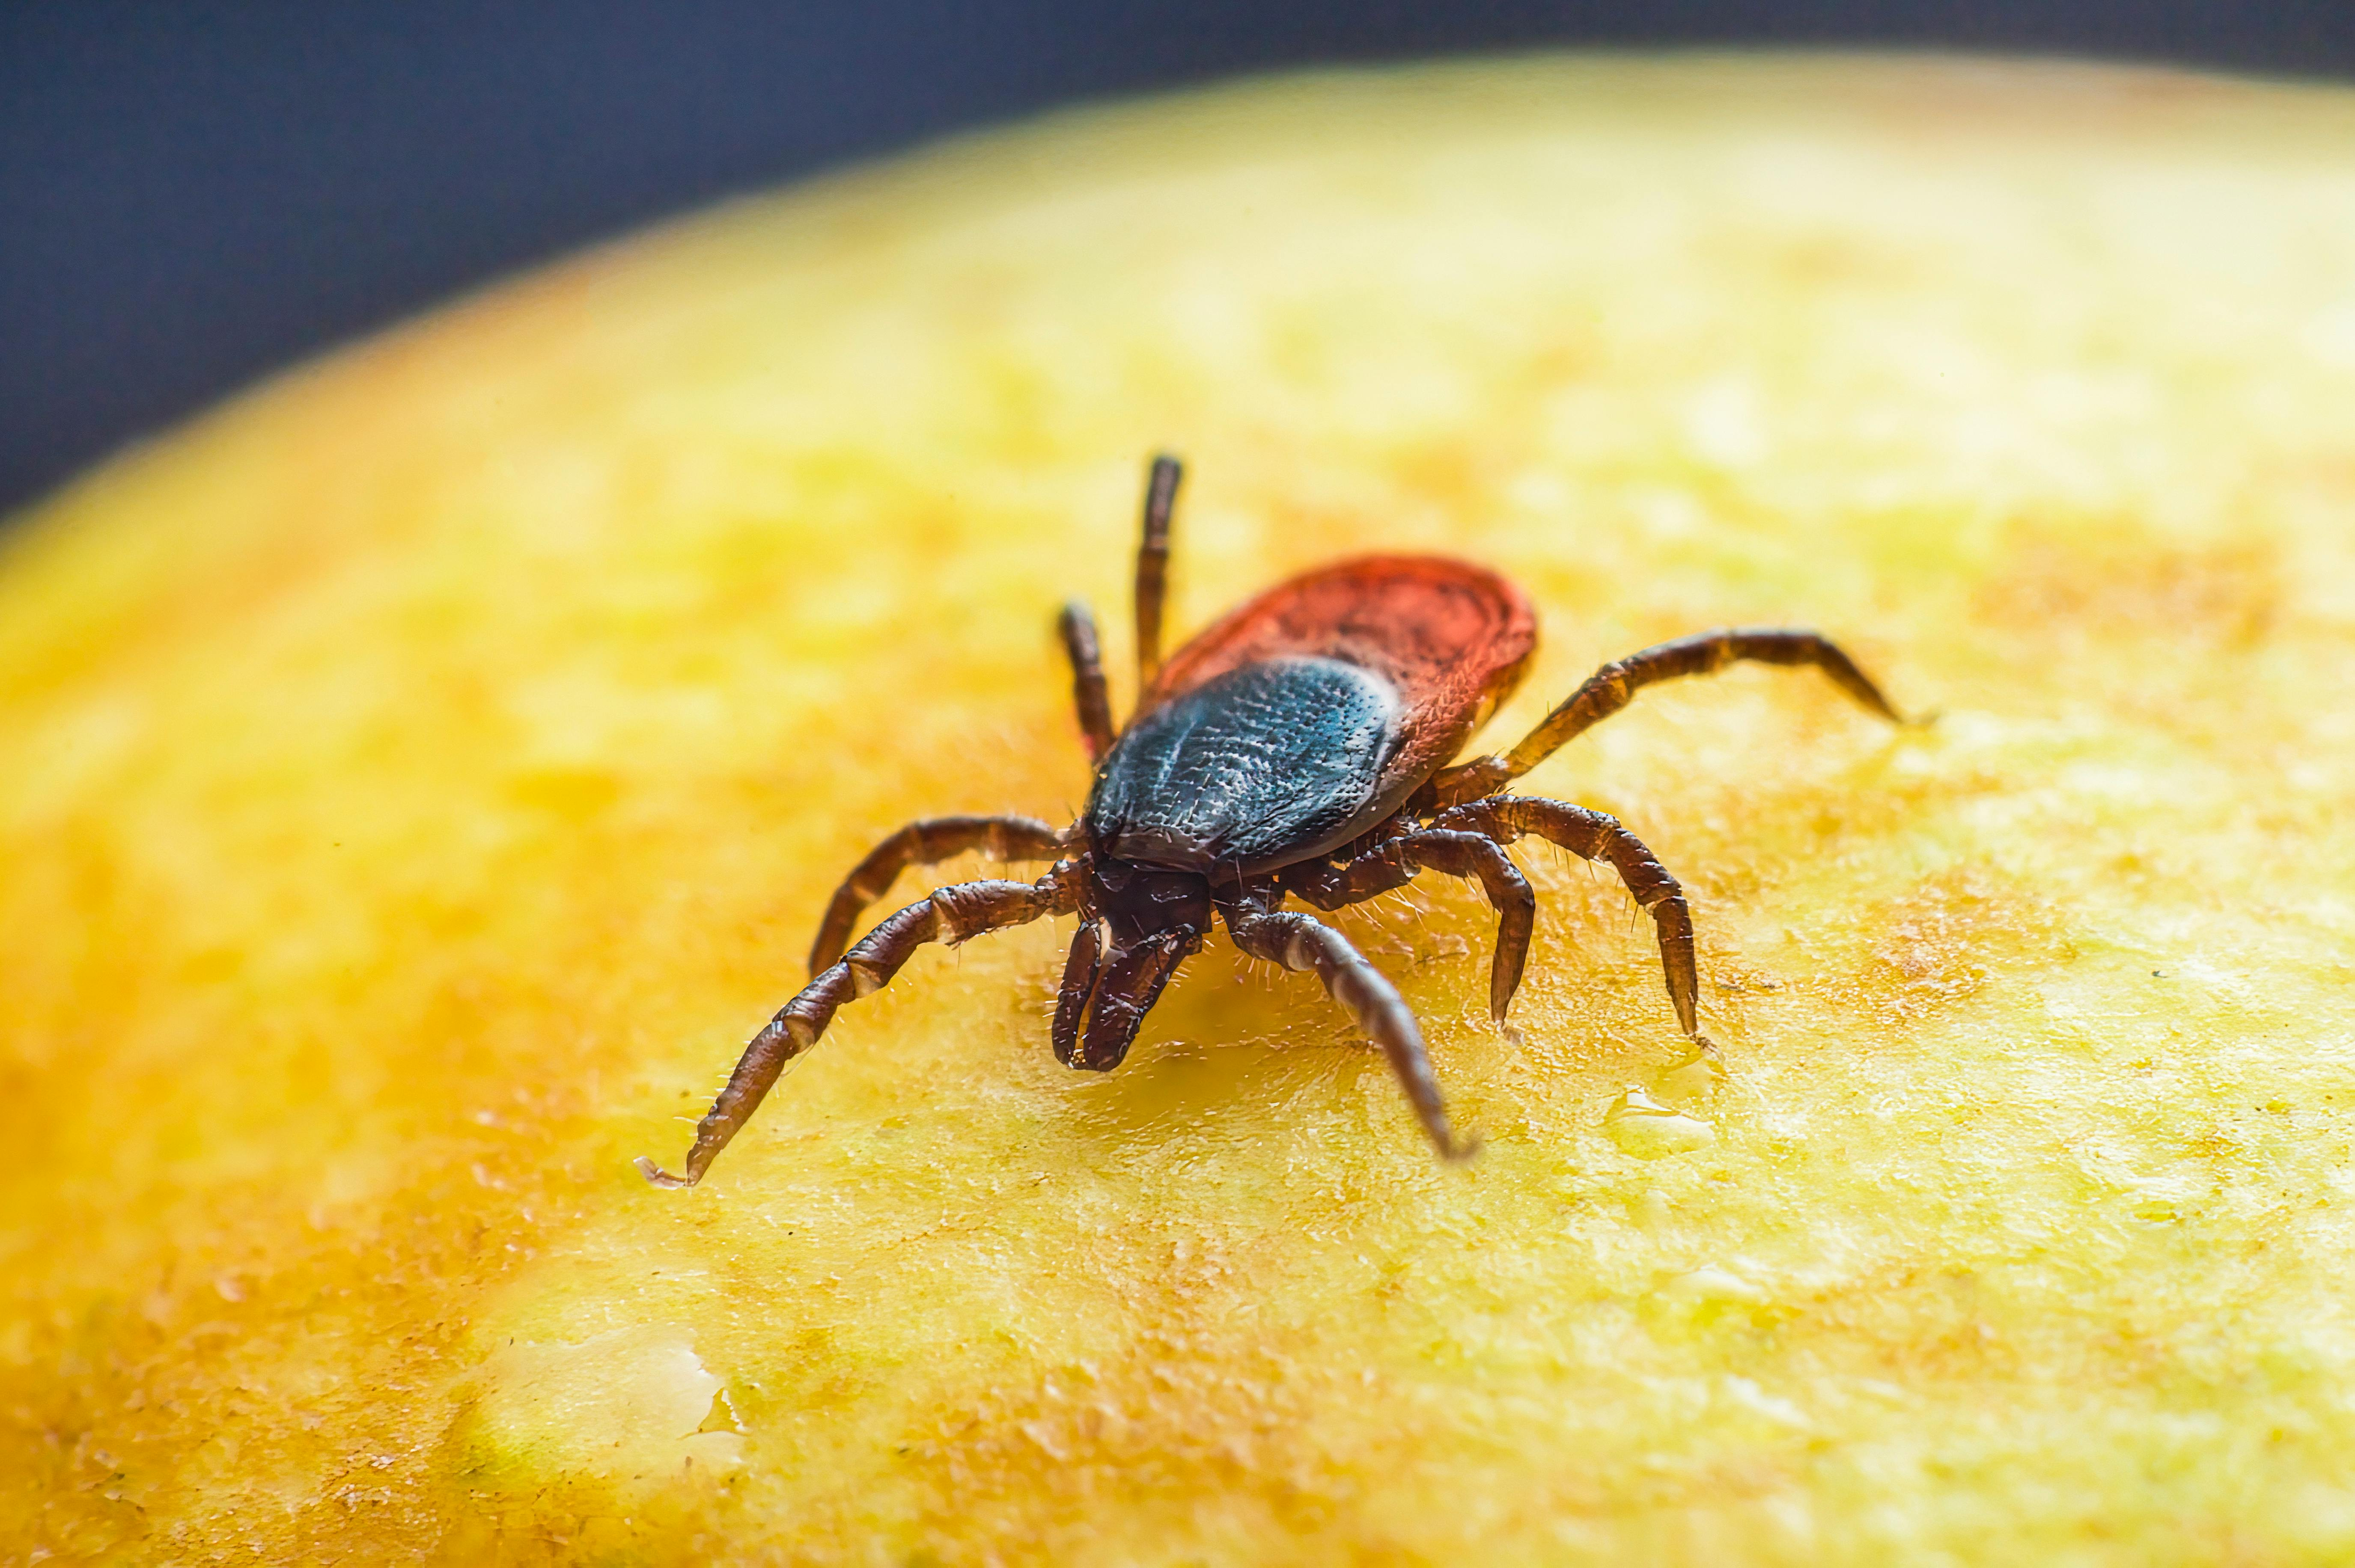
x: 194, y: 194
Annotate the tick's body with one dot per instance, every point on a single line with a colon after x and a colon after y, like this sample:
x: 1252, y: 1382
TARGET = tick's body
x: 1299, y: 746
x: 1309, y: 715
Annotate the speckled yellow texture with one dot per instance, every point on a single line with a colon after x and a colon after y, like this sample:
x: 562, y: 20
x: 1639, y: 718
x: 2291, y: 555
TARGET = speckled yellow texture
x: 417, y: 779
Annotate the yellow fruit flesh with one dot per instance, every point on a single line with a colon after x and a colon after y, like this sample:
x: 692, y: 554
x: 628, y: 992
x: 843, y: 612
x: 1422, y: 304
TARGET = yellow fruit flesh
x: 418, y: 779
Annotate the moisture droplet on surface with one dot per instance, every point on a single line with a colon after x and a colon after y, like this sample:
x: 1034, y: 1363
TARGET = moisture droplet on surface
x: 1695, y: 1080
x: 633, y: 1405
x: 1711, y: 1285
x: 1643, y: 1127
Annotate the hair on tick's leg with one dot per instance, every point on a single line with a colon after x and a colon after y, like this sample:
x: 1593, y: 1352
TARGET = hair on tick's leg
x: 1393, y: 862
x: 1613, y: 687
x: 1300, y: 942
x: 951, y: 915
x: 925, y: 843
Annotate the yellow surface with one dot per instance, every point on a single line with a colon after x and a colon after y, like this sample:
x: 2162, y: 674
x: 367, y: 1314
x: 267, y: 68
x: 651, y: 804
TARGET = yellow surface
x: 417, y: 779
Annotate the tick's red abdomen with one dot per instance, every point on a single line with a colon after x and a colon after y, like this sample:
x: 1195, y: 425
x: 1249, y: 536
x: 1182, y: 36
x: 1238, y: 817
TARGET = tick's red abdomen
x: 1451, y: 637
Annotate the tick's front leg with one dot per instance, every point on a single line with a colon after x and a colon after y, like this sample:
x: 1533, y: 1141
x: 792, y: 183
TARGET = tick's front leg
x: 924, y: 843
x: 950, y: 915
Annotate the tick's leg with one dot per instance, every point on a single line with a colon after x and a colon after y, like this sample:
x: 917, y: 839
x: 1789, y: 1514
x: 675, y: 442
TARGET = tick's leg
x: 1153, y: 566
x: 950, y: 915
x: 925, y: 843
x: 1394, y: 862
x: 1078, y: 627
x: 1299, y: 941
x: 1613, y: 687
x: 1595, y: 836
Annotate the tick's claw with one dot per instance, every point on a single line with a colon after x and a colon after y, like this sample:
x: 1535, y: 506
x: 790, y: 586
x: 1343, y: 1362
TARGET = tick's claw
x: 1457, y: 1151
x: 660, y: 1176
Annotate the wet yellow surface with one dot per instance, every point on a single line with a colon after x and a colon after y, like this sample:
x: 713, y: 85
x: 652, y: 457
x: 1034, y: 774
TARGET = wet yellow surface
x: 417, y: 779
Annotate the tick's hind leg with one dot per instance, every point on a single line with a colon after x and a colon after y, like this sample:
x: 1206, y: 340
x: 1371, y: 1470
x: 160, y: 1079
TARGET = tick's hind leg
x: 1395, y: 861
x: 925, y: 843
x: 1595, y: 836
x: 1299, y: 941
x: 1153, y: 567
x: 1077, y: 626
x: 1613, y: 687
x: 951, y: 915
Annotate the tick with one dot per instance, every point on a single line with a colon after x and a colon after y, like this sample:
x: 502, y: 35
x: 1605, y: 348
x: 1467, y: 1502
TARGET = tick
x: 1298, y: 748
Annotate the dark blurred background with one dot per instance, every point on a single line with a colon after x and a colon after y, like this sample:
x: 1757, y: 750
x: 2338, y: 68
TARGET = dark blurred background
x: 192, y: 194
